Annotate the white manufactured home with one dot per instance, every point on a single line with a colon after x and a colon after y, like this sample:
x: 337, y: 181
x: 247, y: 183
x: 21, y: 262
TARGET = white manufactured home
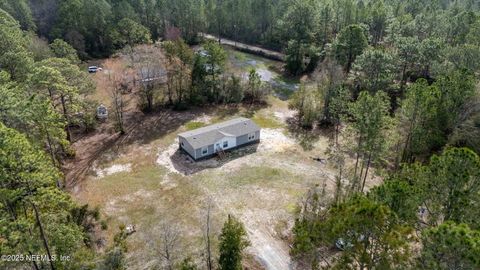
x: 207, y: 141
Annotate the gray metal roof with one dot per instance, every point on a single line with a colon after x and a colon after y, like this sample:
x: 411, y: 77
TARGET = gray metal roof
x: 210, y: 134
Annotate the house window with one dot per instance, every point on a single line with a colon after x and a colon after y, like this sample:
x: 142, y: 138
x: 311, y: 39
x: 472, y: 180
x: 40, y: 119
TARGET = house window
x: 251, y: 136
x: 204, y: 150
x: 183, y: 144
x: 225, y: 144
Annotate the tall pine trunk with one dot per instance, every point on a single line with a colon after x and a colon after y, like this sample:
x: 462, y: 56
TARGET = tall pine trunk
x: 366, y: 171
x: 42, y: 235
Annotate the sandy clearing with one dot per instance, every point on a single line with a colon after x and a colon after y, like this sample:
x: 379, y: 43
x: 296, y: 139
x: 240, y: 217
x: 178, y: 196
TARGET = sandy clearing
x: 284, y: 115
x: 165, y: 157
x: 114, y: 206
x: 116, y: 168
x: 272, y: 141
x: 204, y: 118
x: 270, y: 252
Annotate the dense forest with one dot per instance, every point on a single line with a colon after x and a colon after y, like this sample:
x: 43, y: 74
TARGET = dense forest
x: 396, y: 82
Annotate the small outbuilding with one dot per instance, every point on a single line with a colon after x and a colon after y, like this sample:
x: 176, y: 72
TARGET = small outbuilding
x: 210, y: 140
x: 102, y: 112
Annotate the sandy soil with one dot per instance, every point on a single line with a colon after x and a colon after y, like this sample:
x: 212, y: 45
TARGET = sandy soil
x: 266, y: 246
x: 203, y: 118
x: 269, y: 251
x: 271, y: 141
x: 272, y: 253
x: 116, y: 168
x: 142, y: 178
x: 259, y: 207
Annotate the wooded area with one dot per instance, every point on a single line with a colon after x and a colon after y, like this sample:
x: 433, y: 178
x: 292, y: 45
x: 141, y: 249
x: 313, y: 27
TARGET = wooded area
x: 394, y: 84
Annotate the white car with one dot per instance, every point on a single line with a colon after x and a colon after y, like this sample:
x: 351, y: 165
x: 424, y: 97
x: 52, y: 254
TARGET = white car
x: 94, y: 69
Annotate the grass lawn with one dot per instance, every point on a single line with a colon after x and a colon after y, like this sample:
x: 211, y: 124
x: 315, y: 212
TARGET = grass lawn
x: 194, y: 125
x: 266, y: 121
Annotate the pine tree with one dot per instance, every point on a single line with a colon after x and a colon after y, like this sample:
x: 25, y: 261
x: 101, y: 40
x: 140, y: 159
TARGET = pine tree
x: 233, y: 240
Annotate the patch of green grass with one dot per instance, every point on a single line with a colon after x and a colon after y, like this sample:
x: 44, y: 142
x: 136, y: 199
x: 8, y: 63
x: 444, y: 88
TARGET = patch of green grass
x: 292, y: 207
x: 258, y: 175
x: 194, y: 125
x: 283, y: 92
x: 238, y: 55
x: 288, y: 80
x: 246, y: 176
x: 241, y: 61
x: 265, y: 121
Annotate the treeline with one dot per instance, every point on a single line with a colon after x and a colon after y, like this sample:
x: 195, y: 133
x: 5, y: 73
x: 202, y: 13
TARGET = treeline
x: 42, y: 94
x: 302, y: 27
x: 401, y: 93
x: 170, y: 74
x: 92, y: 27
x: 44, y: 97
x: 411, y: 35
x: 426, y: 206
x: 424, y: 60
x: 422, y: 216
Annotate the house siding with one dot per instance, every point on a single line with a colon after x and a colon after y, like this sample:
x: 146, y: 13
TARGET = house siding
x: 210, y: 149
x: 198, y: 152
x: 232, y: 143
x: 186, y: 146
x: 244, y: 138
x: 239, y: 141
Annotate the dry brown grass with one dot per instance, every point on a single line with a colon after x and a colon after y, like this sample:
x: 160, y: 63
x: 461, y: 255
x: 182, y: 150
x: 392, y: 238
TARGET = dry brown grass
x: 262, y: 188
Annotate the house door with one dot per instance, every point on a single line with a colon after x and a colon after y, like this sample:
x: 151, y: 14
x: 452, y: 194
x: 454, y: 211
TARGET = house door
x: 217, y: 147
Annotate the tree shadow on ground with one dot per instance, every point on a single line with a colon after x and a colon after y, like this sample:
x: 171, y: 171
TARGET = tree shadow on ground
x: 150, y: 127
x: 226, y: 111
x: 307, y: 137
x: 145, y: 128
x: 140, y: 128
x: 247, y: 110
x: 105, y: 143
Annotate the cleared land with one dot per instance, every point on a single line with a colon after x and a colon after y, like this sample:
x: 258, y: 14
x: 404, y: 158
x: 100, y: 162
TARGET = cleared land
x: 141, y: 178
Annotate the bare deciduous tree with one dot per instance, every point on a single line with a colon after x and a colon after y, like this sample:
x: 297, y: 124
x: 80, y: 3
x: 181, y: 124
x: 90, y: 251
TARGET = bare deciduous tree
x: 179, y: 59
x: 118, y: 79
x: 207, y: 235
x: 149, y: 62
x: 169, y: 243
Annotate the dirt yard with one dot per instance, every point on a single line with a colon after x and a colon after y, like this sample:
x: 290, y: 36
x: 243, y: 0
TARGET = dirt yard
x: 147, y: 183
x: 141, y: 178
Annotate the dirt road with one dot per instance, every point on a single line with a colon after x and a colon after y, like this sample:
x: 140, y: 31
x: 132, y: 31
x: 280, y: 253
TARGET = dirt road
x: 272, y: 253
x: 248, y: 48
